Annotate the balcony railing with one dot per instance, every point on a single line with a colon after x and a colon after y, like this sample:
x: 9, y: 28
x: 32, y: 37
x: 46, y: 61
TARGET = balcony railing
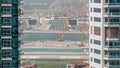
x: 112, y: 44
x: 112, y: 13
x: 116, y: 24
x: 112, y: 66
x: 112, y: 56
x: 9, y: 1
x: 112, y: 4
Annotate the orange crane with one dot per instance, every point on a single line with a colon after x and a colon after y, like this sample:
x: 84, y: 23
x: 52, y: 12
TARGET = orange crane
x: 84, y: 27
x: 61, y: 38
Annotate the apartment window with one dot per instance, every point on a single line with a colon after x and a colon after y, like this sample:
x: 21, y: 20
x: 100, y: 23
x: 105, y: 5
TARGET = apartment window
x: 97, y: 51
x: 6, y: 63
x: 97, y: 42
x: 91, y: 59
x: 91, y: 29
x: 91, y: 9
x: 97, y: 30
x: 6, y: 1
x: 97, y: 19
x: 97, y: 60
x: 6, y: 10
x: 97, y: 1
x: 6, y: 42
x: 90, y: 40
x: 112, y: 1
x: 6, y: 54
x: 91, y: 50
x: 97, y: 10
x: 6, y: 32
x: 91, y: 18
x: 6, y: 21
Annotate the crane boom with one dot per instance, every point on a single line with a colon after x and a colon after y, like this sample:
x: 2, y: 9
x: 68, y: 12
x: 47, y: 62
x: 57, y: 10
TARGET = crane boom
x: 61, y: 38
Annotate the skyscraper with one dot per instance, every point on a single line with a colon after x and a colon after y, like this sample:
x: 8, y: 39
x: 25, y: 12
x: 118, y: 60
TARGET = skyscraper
x: 104, y: 32
x: 9, y: 43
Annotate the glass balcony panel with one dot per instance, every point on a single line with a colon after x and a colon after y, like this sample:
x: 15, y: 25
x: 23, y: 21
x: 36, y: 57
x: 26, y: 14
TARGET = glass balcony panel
x: 9, y: 1
x: 113, y: 44
x: 6, y: 21
x: 112, y: 54
x: 112, y: 20
x: 6, y: 32
x: 6, y: 1
x: 10, y: 21
x: 6, y: 10
x: 6, y: 54
x: 112, y: 2
x: 112, y: 13
x: 7, y: 64
x: 6, y: 43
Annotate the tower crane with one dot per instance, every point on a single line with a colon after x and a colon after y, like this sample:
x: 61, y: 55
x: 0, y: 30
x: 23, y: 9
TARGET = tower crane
x: 84, y: 27
x: 61, y: 38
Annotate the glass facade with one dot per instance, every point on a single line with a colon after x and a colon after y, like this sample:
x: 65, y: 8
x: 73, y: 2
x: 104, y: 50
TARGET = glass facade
x: 113, y: 44
x: 9, y: 43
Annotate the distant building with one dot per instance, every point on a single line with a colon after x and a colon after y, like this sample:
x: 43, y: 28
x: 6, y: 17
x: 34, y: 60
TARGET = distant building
x: 57, y: 24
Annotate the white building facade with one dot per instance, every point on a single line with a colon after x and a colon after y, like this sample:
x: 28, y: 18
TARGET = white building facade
x: 104, y: 33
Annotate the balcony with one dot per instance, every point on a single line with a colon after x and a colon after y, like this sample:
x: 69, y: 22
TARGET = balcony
x: 112, y: 14
x: 6, y: 4
x: 9, y: 1
x: 112, y: 66
x: 112, y: 39
x: 112, y: 24
x: 112, y: 45
x: 6, y: 48
x: 6, y: 37
x: 6, y: 26
x: 112, y: 5
x: 6, y: 58
x: 112, y: 57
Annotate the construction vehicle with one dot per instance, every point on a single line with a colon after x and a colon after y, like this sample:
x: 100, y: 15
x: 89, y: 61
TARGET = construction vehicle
x: 61, y: 38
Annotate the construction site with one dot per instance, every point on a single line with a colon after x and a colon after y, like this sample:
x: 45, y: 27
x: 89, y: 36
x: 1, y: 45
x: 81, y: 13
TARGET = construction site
x: 61, y: 17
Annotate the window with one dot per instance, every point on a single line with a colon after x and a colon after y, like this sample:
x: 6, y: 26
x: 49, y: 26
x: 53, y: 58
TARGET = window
x: 97, y: 1
x: 97, y: 19
x: 97, y: 30
x: 6, y: 32
x: 90, y: 40
x: 97, y: 51
x: 6, y: 54
x: 91, y: 50
x: 6, y: 42
x: 91, y: 29
x: 6, y: 21
x: 97, y: 60
x: 97, y: 42
x: 6, y: 64
x: 91, y: 9
x: 91, y: 59
x: 91, y: 1
x: 6, y: 1
x: 6, y: 10
x: 91, y: 18
x: 97, y: 10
